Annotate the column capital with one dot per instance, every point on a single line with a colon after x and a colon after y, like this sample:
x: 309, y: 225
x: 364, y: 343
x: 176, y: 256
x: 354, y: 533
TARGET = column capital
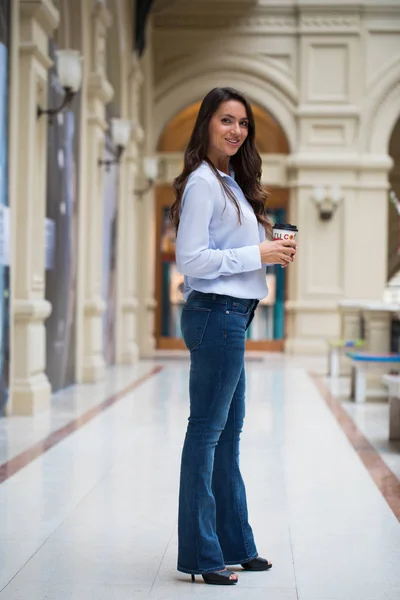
x: 100, y: 88
x: 43, y: 12
x: 101, y: 12
x: 136, y: 73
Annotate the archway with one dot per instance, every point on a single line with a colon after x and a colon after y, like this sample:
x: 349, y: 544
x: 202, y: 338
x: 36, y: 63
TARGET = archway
x: 380, y: 137
x: 381, y: 110
x: 267, y: 329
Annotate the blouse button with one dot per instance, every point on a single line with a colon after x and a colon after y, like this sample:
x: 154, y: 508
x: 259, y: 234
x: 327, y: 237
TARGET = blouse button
x: 227, y: 312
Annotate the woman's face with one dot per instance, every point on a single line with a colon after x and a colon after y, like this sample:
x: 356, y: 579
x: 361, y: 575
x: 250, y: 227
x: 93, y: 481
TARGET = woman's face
x: 228, y: 129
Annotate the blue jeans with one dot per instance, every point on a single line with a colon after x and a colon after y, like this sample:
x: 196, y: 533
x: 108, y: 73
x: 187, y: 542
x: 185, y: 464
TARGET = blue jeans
x: 213, y: 527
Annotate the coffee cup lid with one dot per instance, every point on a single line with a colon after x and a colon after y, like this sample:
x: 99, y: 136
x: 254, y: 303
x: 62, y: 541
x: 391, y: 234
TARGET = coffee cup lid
x: 285, y: 226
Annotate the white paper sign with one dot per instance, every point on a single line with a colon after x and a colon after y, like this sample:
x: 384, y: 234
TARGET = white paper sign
x: 4, y: 235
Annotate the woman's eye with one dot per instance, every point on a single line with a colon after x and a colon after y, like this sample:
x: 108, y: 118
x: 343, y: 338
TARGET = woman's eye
x: 226, y: 120
x: 244, y: 124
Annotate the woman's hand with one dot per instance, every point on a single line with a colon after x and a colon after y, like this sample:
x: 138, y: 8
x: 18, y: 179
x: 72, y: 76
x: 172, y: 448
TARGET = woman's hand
x: 278, y: 252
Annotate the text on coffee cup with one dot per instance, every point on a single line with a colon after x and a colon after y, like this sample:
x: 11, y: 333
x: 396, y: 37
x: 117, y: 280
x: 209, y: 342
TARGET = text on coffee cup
x: 284, y: 236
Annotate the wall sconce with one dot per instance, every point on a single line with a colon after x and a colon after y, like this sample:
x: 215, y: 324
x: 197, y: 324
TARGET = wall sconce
x: 69, y: 69
x: 327, y: 201
x: 120, y: 134
x: 150, y: 171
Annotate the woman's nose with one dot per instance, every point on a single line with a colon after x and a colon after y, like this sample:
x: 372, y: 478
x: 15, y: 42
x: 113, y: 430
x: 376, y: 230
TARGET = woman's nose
x: 236, y: 129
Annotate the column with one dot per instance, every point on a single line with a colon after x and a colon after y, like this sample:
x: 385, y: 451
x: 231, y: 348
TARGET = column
x: 145, y: 231
x: 128, y: 250
x: 98, y: 93
x: 30, y: 388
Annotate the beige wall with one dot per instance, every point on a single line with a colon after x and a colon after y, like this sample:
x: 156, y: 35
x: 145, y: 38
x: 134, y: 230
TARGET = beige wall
x: 329, y: 73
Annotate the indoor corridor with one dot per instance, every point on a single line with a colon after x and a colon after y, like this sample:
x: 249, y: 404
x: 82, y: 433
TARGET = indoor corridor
x: 88, y: 492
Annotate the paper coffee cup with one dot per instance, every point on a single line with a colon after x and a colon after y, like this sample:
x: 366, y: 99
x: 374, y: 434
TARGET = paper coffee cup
x: 284, y: 231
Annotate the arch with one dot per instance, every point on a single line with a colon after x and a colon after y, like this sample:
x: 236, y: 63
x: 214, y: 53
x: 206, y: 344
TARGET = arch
x: 382, y: 110
x: 270, y: 137
x: 264, y: 84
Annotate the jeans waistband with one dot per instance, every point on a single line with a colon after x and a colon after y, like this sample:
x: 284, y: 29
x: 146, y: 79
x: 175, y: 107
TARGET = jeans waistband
x: 223, y: 299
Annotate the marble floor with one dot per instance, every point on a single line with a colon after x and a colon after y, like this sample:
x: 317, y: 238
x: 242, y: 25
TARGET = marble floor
x: 88, y: 493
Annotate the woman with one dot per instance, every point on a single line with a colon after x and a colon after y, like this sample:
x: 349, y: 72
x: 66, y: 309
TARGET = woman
x: 219, y: 214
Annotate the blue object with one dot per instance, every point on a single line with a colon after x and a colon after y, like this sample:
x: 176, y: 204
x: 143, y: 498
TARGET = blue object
x: 371, y: 357
x: 208, y: 537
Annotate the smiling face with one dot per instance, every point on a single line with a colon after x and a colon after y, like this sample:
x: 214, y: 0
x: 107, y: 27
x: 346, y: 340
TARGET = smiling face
x: 228, y: 129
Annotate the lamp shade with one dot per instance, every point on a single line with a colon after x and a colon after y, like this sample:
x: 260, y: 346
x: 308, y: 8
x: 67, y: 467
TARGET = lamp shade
x: 120, y: 132
x: 319, y: 193
x: 150, y: 167
x: 336, y: 193
x: 69, y: 68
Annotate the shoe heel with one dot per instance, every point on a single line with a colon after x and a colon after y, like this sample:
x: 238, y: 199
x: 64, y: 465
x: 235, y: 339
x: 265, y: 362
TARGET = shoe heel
x: 193, y: 578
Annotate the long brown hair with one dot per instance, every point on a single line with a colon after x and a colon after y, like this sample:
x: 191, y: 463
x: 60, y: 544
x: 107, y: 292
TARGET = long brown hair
x: 246, y: 163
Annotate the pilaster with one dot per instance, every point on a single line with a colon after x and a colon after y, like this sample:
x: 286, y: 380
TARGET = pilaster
x: 128, y: 250
x: 30, y: 387
x: 145, y: 230
x: 98, y: 93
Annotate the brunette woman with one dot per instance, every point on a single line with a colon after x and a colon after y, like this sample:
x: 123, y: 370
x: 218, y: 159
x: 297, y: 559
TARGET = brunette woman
x: 222, y: 249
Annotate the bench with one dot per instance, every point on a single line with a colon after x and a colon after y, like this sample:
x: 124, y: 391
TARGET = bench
x: 393, y: 383
x: 335, y: 349
x: 360, y: 363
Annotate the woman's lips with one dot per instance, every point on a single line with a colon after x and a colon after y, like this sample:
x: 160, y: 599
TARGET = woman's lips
x: 233, y: 142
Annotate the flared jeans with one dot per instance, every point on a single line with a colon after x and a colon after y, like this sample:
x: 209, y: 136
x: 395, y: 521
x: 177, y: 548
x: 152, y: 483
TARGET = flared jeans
x: 213, y: 527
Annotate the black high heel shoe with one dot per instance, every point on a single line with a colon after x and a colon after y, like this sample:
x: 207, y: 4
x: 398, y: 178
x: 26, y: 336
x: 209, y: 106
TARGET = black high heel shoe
x: 257, y: 564
x: 219, y: 578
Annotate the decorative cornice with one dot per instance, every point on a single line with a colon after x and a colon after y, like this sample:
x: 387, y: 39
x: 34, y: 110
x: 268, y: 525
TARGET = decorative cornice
x: 34, y: 50
x: 99, y: 87
x: 345, y: 162
x: 42, y: 11
x: 256, y: 23
x: 329, y: 22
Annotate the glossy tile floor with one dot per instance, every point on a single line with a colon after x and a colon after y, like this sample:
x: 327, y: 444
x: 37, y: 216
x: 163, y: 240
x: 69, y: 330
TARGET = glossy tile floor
x: 94, y: 516
x: 372, y: 419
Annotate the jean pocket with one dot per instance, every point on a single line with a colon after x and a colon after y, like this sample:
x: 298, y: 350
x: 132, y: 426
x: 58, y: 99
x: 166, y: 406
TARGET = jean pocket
x: 193, y: 324
x: 240, y: 309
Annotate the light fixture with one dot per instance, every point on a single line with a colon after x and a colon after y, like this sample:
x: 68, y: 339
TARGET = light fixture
x: 69, y: 69
x: 120, y: 134
x: 150, y: 171
x: 327, y: 200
